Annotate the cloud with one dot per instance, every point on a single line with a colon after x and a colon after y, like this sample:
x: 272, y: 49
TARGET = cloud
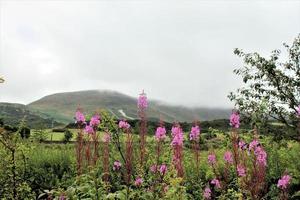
x: 179, y: 52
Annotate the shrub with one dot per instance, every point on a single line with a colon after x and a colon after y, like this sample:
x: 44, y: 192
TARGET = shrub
x: 67, y: 136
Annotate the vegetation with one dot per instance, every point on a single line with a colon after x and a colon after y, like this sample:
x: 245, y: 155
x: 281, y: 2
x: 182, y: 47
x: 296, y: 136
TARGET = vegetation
x: 271, y: 86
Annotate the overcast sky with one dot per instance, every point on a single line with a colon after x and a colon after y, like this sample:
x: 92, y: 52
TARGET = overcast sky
x: 178, y: 51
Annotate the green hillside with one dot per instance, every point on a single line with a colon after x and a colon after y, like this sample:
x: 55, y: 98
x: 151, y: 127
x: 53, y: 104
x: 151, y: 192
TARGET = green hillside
x: 12, y: 114
x: 62, y: 106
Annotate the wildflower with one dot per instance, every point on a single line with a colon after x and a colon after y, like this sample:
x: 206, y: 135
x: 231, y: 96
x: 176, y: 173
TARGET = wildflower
x: 228, y: 157
x: 62, y: 197
x: 89, y: 129
x: 253, y: 144
x: 124, y: 125
x: 284, y: 182
x: 138, y: 182
x: 142, y: 101
x: 235, y: 119
x: 95, y: 121
x: 242, y: 144
x: 177, y: 136
x: 211, y: 159
x: 241, y: 170
x: 160, y: 133
x: 117, y: 165
x: 163, y: 169
x: 207, y: 193
x: 153, y: 168
x: 298, y: 111
x: 195, y: 132
x: 79, y: 117
x: 216, y: 182
x: 106, y: 137
x: 261, y: 156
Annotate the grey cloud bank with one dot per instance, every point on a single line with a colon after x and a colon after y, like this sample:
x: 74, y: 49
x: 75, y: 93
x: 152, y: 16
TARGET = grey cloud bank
x: 178, y: 51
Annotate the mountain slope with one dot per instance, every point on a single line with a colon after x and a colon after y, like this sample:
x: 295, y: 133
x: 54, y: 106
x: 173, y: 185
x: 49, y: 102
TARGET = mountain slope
x: 62, y: 106
x: 12, y: 114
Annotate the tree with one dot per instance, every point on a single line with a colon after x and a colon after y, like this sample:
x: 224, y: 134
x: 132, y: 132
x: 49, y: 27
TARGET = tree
x: 270, y: 83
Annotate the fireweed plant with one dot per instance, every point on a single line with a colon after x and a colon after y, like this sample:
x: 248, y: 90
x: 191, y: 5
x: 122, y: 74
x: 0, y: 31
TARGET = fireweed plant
x: 125, y: 126
x: 194, y: 138
x: 87, y: 135
x: 177, y: 146
x: 142, y: 105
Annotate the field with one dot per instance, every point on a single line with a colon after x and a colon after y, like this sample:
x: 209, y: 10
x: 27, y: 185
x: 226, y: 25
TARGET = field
x: 50, y: 168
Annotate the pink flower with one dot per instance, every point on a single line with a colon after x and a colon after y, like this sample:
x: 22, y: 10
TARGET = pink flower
x: 207, y: 193
x: 211, y: 159
x: 163, y: 169
x: 153, y: 168
x: 89, y: 129
x: 177, y: 136
x: 253, y: 144
x: 95, y: 121
x: 142, y: 101
x: 138, y: 182
x: 235, y: 119
x: 195, y: 132
x: 106, y: 137
x: 216, y: 182
x: 79, y: 117
x: 241, y: 170
x: 160, y: 133
x: 117, y: 165
x: 261, y: 156
x: 284, y: 182
x: 228, y: 157
x: 124, y: 125
x: 242, y: 144
x: 298, y: 111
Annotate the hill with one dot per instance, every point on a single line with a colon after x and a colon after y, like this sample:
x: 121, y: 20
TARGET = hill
x: 62, y: 106
x: 12, y: 114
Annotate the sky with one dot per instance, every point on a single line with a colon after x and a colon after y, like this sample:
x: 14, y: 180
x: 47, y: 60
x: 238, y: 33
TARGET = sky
x: 179, y: 52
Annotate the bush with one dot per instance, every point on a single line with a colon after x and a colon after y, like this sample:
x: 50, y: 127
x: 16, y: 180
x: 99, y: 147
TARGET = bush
x: 67, y: 136
x: 25, y: 132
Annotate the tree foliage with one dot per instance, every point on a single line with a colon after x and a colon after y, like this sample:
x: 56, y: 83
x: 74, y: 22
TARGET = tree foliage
x: 271, y: 85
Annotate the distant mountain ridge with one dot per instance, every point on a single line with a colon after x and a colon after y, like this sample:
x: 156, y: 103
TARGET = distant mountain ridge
x: 62, y: 106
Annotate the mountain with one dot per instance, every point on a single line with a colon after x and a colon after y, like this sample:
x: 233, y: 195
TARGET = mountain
x: 12, y: 114
x: 62, y: 106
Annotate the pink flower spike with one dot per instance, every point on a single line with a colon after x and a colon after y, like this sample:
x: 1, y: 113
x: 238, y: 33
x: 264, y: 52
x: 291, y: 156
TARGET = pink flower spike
x: 253, y: 144
x: 211, y: 159
x: 177, y: 135
x: 80, y: 119
x: 195, y: 133
x: 163, y: 169
x: 142, y: 101
x: 124, y: 125
x: 235, y: 119
x: 89, y: 130
x: 207, y: 193
x: 117, y: 165
x: 160, y: 134
x: 95, y: 121
x: 284, y: 182
x: 228, y: 157
x: 241, y: 171
x: 138, y: 182
x: 216, y: 182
